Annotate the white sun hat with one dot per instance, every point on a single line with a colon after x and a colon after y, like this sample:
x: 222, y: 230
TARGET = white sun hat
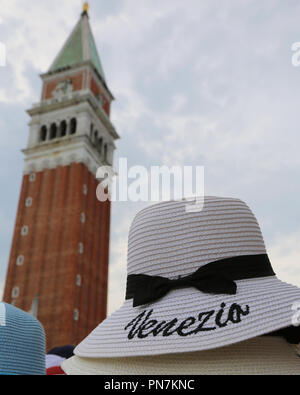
x: 196, y: 281
x: 259, y: 356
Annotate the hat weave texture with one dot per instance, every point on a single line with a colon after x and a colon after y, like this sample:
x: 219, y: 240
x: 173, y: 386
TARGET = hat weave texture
x: 22, y: 343
x: 259, y: 356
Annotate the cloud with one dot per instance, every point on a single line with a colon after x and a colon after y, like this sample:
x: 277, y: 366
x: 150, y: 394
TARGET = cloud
x: 285, y: 257
x: 118, y: 260
x: 122, y: 217
x: 117, y: 275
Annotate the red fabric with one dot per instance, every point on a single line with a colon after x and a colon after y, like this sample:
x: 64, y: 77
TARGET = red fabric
x: 55, y: 371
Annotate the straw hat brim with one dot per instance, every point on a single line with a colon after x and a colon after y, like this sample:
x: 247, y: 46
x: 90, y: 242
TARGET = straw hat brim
x: 270, y: 307
x: 259, y: 356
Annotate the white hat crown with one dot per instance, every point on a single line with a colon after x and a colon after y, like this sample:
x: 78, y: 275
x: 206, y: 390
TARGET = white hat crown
x: 166, y: 240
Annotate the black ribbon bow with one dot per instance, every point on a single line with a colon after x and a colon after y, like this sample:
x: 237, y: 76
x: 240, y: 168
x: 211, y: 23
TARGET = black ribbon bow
x: 149, y: 289
x: 214, y: 278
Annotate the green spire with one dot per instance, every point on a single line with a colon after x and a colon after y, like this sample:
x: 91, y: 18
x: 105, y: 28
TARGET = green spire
x: 72, y: 52
x: 95, y: 56
x: 79, y: 47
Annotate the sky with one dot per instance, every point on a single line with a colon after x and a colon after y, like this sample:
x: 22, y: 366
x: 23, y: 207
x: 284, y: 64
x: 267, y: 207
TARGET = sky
x: 202, y: 83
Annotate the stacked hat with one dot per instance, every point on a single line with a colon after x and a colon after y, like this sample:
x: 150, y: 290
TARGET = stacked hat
x: 53, y: 365
x: 259, y: 356
x: 63, y: 351
x: 22, y: 343
x: 199, y: 279
x: 55, y: 358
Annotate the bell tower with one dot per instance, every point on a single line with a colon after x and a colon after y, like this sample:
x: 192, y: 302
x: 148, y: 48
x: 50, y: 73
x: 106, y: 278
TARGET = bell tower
x: 58, y: 265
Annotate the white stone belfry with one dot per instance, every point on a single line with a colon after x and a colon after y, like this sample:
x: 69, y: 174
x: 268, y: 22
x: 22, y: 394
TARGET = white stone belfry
x: 71, y: 122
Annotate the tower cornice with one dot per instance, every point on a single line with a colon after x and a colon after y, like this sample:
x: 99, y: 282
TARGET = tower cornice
x: 64, y: 152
